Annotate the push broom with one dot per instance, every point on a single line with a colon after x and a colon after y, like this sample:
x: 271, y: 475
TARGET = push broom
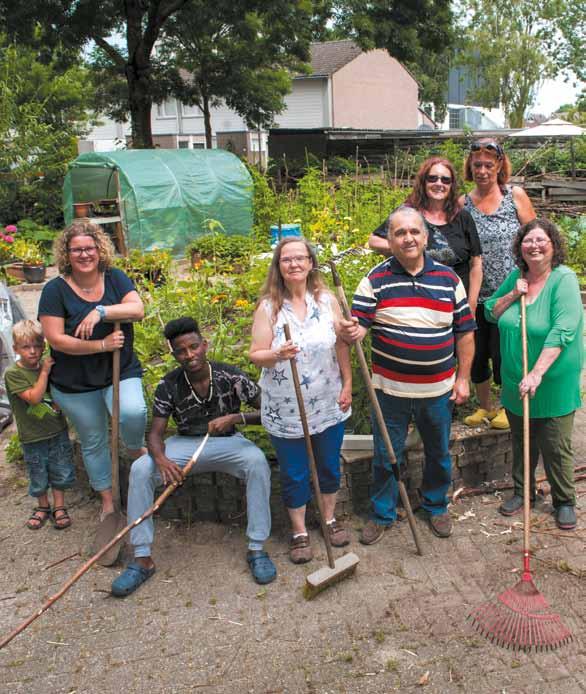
x: 521, y: 618
x: 345, y: 566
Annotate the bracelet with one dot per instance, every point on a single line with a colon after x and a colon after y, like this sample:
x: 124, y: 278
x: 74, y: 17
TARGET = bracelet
x: 243, y: 418
x: 103, y: 346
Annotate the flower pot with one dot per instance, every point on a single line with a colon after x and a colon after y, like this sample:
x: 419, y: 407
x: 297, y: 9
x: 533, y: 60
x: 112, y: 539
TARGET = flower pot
x: 15, y: 270
x: 34, y: 274
x: 82, y: 209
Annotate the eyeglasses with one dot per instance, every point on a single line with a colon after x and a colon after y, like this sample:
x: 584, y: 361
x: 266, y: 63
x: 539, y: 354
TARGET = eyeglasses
x: 298, y: 259
x: 88, y: 250
x: 432, y: 178
x: 493, y: 147
x: 535, y: 242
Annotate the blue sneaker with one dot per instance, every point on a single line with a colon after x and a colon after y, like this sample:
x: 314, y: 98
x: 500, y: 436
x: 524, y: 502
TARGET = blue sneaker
x: 262, y: 568
x: 130, y: 579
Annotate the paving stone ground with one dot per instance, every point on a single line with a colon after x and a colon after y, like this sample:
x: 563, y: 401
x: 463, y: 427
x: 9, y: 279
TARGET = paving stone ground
x: 201, y: 624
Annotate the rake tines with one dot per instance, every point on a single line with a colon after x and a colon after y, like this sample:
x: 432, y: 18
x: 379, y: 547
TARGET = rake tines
x: 521, y: 619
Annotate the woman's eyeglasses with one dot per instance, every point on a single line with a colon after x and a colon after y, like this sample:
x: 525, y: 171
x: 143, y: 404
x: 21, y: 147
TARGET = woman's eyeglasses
x: 432, y: 178
x: 535, y: 242
x: 493, y: 147
x: 88, y: 250
x: 298, y: 259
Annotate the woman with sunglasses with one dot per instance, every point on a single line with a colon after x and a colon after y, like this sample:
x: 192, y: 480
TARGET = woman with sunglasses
x: 294, y: 293
x: 452, y: 236
x: 499, y: 211
x: 555, y: 358
x: 77, y: 311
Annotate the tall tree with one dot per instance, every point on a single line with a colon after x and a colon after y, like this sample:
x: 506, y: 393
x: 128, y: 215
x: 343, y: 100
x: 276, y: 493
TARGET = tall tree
x: 241, y: 52
x: 510, y: 47
x: 78, y: 23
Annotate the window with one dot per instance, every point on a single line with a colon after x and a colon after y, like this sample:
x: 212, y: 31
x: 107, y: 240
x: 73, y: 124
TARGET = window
x: 455, y: 118
x: 183, y: 144
x: 191, y: 111
x: 168, y: 109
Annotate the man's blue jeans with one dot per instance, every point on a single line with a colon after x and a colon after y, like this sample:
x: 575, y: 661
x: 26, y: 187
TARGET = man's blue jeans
x: 234, y: 455
x: 433, y: 417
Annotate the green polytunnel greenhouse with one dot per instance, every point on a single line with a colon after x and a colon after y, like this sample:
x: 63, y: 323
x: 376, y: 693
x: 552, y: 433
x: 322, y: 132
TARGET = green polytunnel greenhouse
x: 160, y: 198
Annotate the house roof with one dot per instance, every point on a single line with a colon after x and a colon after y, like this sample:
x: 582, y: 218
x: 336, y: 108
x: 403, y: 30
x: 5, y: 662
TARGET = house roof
x: 329, y: 57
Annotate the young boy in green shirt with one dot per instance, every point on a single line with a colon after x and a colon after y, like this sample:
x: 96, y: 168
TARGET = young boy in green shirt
x: 42, y: 428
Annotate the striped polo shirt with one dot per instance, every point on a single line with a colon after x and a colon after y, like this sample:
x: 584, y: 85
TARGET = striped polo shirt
x: 413, y: 321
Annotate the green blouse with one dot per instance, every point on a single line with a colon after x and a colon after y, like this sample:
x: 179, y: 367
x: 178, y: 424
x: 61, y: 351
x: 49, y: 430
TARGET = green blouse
x: 554, y: 319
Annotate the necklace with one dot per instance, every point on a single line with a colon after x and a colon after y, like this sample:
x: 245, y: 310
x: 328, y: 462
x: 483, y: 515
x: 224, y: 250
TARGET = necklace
x: 198, y: 400
x: 87, y: 290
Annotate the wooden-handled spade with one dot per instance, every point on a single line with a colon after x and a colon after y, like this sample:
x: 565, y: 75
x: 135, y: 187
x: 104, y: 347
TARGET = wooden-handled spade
x: 346, y: 565
x: 377, y: 410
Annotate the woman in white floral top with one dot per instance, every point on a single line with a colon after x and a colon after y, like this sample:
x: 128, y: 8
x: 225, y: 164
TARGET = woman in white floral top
x: 294, y: 293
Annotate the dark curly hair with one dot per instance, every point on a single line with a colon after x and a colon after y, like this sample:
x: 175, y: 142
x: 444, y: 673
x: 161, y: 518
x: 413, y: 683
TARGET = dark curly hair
x: 557, y: 241
x: 418, y: 198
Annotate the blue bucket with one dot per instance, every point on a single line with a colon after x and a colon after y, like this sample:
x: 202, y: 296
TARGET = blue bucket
x: 286, y: 230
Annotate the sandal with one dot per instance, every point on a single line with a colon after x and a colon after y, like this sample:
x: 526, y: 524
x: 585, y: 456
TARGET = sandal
x: 64, y: 521
x: 130, y: 579
x: 40, y: 519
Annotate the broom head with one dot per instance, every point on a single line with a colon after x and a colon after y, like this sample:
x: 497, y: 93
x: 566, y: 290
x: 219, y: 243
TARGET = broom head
x: 325, y: 577
x: 521, y: 619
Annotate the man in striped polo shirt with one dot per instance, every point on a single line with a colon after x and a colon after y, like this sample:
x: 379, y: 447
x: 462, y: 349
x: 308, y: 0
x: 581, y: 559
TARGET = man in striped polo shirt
x: 422, y: 334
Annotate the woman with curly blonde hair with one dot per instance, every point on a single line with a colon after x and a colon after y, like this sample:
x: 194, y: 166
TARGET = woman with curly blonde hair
x: 77, y: 311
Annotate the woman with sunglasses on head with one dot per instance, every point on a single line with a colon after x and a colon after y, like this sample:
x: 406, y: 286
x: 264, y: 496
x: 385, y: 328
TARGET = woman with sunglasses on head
x: 77, y: 310
x: 555, y: 354
x: 295, y: 294
x: 499, y: 211
x: 452, y: 236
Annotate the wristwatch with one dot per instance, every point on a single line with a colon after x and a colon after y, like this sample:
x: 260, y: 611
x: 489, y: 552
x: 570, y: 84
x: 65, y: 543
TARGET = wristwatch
x: 102, y: 311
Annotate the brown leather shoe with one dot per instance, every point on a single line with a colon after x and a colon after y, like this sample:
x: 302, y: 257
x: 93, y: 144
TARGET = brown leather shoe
x: 441, y: 525
x: 372, y: 532
x: 300, y: 551
x: 339, y: 536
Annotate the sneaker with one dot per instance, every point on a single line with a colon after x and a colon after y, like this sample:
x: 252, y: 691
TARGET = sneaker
x: 478, y: 417
x: 300, y: 551
x: 372, y: 532
x: 500, y: 421
x: 565, y: 517
x: 513, y: 505
x: 339, y: 536
x: 441, y: 524
x: 261, y: 567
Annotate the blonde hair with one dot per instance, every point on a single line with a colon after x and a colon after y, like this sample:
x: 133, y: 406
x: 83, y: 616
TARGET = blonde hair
x: 27, y: 330
x: 274, y: 289
x: 83, y: 227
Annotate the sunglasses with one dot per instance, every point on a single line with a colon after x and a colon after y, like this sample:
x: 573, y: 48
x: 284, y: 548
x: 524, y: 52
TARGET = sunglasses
x: 432, y: 178
x: 489, y: 147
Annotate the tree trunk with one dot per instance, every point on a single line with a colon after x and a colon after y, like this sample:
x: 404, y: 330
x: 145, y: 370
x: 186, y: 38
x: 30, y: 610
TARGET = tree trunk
x: 140, y: 111
x: 207, y: 120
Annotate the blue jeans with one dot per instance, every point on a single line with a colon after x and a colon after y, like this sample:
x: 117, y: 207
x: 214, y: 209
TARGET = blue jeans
x: 294, y: 464
x: 433, y: 417
x: 49, y: 464
x: 234, y: 455
x: 88, y: 412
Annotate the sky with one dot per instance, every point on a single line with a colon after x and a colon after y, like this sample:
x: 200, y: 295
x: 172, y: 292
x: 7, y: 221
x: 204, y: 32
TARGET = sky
x: 555, y: 93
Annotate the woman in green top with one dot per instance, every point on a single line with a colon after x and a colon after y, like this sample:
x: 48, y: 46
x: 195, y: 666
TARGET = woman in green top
x: 555, y: 321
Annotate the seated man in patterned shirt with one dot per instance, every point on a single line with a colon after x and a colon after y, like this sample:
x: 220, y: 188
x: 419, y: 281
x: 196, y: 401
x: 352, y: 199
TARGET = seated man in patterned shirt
x: 202, y: 397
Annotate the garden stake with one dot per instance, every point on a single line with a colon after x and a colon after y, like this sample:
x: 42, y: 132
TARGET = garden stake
x: 377, y: 411
x: 67, y: 585
x: 346, y: 565
x: 521, y: 619
x: 113, y: 522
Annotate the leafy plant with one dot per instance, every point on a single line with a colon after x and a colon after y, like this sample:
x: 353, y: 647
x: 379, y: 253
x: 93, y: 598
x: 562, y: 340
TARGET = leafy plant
x: 29, y: 252
x: 13, y: 451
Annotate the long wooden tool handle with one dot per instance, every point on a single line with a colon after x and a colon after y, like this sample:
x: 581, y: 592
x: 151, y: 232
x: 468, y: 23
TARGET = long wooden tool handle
x: 310, y: 455
x: 83, y: 569
x: 380, y: 420
x: 526, y: 456
x: 115, y: 424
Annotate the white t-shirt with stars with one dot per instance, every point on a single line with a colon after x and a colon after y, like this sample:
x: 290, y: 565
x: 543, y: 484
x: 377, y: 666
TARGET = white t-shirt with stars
x: 317, y: 365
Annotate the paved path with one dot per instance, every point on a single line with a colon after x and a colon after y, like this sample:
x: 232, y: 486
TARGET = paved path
x: 201, y: 624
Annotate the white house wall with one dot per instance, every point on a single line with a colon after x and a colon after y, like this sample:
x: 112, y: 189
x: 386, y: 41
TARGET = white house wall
x: 306, y: 105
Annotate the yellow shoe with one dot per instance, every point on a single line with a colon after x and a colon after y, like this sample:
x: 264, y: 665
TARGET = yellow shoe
x: 500, y: 421
x: 474, y: 420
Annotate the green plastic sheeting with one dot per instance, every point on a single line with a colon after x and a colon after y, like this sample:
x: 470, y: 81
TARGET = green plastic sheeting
x: 166, y: 194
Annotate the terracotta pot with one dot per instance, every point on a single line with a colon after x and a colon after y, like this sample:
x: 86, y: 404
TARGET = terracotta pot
x: 15, y: 270
x: 34, y: 274
x: 82, y: 209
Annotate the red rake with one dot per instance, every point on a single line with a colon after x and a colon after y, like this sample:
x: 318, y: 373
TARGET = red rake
x: 521, y: 619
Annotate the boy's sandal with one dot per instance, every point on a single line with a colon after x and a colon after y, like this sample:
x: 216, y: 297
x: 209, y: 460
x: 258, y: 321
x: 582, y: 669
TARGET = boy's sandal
x: 39, y: 516
x: 63, y: 521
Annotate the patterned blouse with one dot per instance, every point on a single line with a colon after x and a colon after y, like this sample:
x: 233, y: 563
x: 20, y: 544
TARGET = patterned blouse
x: 496, y: 232
x: 319, y: 372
